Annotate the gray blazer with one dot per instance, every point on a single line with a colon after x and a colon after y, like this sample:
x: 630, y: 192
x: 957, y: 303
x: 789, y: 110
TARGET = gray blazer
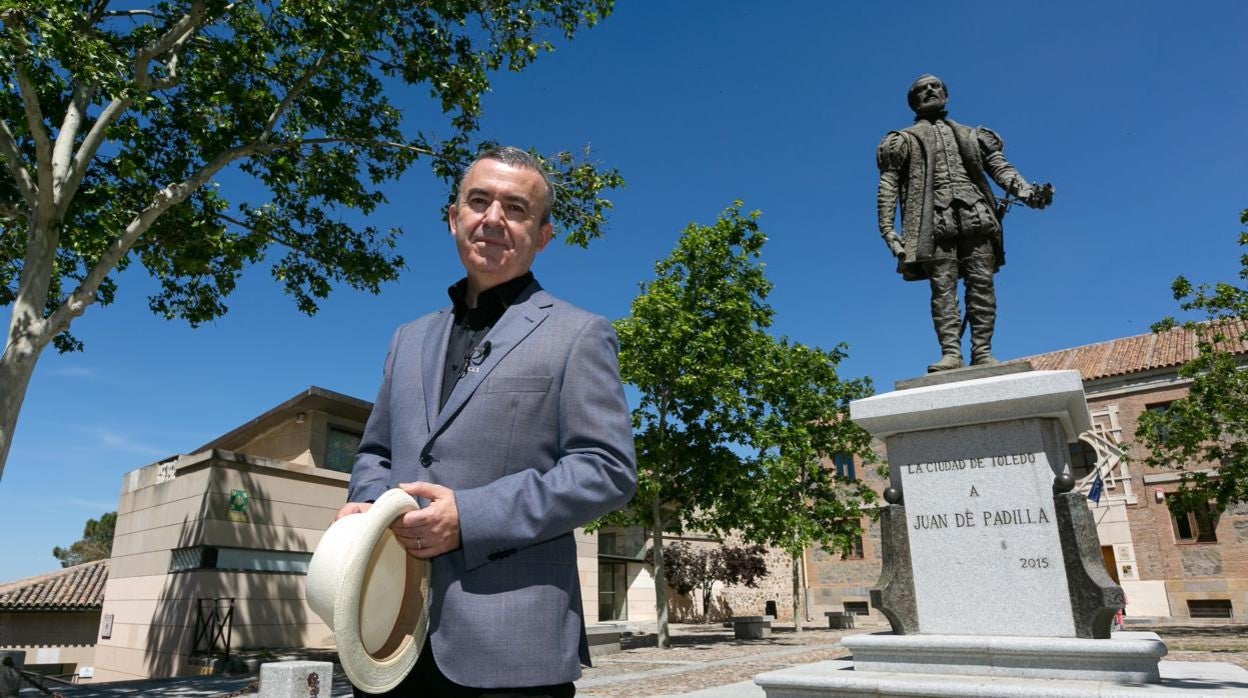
x: 535, y: 443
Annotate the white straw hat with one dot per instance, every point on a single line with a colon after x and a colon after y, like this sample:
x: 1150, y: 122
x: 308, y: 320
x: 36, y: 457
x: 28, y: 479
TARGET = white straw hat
x: 372, y: 594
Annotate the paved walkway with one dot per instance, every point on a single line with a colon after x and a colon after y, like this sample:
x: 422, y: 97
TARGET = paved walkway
x: 705, y: 661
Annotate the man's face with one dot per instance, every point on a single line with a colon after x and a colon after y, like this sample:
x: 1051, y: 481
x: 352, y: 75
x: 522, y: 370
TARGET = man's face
x: 928, y: 97
x: 497, y: 222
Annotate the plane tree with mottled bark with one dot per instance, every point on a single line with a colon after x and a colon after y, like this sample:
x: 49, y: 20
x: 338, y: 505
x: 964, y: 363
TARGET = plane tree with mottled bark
x: 118, y: 120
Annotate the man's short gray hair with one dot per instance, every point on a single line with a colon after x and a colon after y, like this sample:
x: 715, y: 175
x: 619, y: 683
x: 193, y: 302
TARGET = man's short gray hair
x: 515, y: 157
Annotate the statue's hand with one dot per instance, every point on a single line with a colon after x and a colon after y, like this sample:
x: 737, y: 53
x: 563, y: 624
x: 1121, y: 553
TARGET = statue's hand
x: 895, y: 246
x: 1037, y: 197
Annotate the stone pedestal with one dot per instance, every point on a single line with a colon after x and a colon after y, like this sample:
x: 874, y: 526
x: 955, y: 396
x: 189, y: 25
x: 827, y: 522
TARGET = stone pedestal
x: 993, y: 546
x: 992, y: 568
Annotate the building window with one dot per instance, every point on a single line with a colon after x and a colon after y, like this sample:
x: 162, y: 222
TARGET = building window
x: 612, y: 591
x: 340, y: 448
x: 857, y: 608
x: 1160, y: 410
x: 1210, y: 608
x: 856, y: 552
x: 1082, y: 459
x: 1198, y: 525
x: 211, y: 557
x: 844, y: 465
x: 627, y: 542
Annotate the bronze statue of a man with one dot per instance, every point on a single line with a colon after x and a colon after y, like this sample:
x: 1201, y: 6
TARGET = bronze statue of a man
x: 950, y: 220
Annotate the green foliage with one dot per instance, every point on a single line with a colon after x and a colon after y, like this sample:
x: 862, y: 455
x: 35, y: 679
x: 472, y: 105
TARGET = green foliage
x: 688, y: 568
x: 689, y: 346
x: 96, y: 543
x: 297, y: 94
x: 796, y: 501
x: 1208, y: 428
x: 732, y: 423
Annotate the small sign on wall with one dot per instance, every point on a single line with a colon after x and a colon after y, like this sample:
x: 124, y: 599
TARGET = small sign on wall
x: 86, y: 672
x: 239, y: 499
x: 106, y: 627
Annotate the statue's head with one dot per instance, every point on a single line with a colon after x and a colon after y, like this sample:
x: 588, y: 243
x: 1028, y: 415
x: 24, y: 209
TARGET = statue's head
x: 927, y: 96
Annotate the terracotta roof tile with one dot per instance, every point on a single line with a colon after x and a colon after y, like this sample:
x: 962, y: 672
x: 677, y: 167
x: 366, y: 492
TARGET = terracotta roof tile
x: 77, y: 588
x: 1142, y: 352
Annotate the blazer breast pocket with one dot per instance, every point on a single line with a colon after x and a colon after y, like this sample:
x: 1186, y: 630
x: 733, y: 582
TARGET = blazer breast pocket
x: 518, y: 384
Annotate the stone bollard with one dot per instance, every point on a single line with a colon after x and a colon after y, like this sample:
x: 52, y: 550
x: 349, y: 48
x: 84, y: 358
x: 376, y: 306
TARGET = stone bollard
x: 296, y: 679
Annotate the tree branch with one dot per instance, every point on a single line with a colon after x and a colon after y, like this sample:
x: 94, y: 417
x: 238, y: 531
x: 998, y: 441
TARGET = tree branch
x: 294, y: 92
x: 170, y: 41
x: 34, y: 121
x: 279, y: 239
x: 287, y: 145
x: 132, y: 13
x: 13, y: 157
x: 86, y: 152
x: 84, y: 295
x: 12, y: 211
x: 62, y: 153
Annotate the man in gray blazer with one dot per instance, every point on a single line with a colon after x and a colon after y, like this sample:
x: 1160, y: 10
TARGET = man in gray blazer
x: 505, y: 416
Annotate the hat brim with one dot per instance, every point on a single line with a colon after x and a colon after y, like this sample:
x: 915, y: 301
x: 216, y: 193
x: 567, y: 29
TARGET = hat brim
x: 374, y: 596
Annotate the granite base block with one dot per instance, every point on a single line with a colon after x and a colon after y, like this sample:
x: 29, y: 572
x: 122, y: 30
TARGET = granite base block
x: 1128, y: 656
x: 893, y: 594
x: 296, y: 679
x: 840, y: 679
x: 1094, y: 597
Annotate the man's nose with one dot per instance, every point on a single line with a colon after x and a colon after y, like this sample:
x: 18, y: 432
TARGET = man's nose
x: 494, y: 213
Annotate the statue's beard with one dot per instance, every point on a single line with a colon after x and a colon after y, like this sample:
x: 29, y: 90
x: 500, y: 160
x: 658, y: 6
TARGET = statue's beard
x: 934, y: 114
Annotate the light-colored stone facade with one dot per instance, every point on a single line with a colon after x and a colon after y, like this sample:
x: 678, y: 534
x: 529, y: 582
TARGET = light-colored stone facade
x: 164, y: 585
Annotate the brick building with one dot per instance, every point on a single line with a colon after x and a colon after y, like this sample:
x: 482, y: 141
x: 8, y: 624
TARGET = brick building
x: 1188, y: 566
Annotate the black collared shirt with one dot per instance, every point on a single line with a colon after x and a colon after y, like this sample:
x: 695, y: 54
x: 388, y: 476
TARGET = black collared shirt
x: 465, y: 349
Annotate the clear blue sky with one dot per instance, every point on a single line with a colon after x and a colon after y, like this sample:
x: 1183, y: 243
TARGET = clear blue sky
x: 1134, y: 110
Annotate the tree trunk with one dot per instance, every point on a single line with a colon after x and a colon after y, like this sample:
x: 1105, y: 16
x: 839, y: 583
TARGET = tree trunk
x: 16, y: 367
x: 797, y: 596
x: 27, y: 335
x: 660, y: 578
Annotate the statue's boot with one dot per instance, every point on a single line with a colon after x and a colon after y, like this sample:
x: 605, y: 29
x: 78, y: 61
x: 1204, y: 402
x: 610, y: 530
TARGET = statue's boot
x: 946, y: 318
x: 981, y: 308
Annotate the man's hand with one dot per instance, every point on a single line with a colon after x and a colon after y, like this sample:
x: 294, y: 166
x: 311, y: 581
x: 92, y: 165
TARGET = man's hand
x: 352, y: 508
x: 430, y: 531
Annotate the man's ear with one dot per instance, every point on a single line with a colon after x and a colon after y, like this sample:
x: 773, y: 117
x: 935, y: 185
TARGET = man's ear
x: 546, y: 232
x: 450, y: 218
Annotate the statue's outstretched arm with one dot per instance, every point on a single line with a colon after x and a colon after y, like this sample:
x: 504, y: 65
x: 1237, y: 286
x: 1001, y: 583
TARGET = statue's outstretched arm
x: 1005, y: 175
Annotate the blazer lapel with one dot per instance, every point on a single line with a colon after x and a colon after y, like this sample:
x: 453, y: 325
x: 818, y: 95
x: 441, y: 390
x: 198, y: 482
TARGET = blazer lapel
x: 512, y: 328
x: 433, y: 360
